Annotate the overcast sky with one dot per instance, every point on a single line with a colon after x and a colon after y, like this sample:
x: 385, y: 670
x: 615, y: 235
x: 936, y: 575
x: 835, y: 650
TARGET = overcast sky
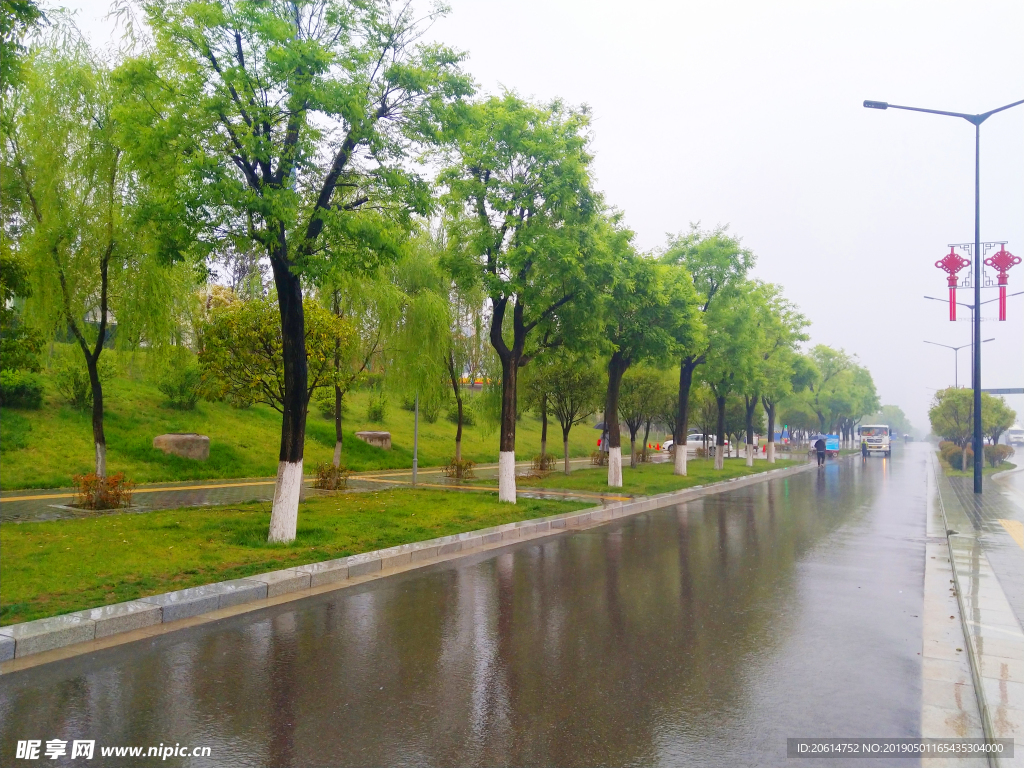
x: 749, y: 113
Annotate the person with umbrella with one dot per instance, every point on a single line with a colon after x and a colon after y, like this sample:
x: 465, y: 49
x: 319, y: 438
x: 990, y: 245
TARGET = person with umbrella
x: 819, y: 447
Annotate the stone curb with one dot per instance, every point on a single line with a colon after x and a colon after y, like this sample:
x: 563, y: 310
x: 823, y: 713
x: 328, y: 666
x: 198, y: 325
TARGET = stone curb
x: 31, y: 637
x: 973, y: 654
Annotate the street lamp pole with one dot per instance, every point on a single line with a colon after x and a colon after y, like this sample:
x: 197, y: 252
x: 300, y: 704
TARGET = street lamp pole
x: 976, y: 121
x: 956, y: 356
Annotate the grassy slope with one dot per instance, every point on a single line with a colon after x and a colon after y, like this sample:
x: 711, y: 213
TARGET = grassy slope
x: 65, y: 565
x: 44, y: 448
x: 649, y: 479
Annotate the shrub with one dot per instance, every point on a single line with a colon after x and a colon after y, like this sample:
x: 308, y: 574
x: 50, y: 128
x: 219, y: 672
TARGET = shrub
x: 955, y: 458
x: 544, y: 462
x: 324, y: 401
x: 377, y: 410
x: 20, y: 389
x: 460, y: 469
x: 468, y: 419
x: 431, y: 409
x: 72, y: 381
x: 331, y: 478
x: 95, y: 492
x: 997, y: 454
x: 599, y: 458
x: 182, y: 385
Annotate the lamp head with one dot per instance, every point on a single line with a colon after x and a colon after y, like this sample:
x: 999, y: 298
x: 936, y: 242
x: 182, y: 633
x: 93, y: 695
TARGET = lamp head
x: 876, y: 104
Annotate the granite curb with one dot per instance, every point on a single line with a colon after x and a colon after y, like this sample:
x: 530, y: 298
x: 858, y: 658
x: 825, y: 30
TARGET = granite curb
x: 978, y: 595
x: 31, y: 637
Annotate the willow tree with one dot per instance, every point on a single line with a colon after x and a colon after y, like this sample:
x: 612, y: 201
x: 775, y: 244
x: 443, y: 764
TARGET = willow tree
x: 89, y: 214
x: 717, y: 262
x: 519, y: 192
x: 294, y: 118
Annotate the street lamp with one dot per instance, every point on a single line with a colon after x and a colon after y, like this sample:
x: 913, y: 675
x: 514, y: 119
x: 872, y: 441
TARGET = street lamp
x: 956, y: 352
x: 971, y: 307
x: 976, y: 121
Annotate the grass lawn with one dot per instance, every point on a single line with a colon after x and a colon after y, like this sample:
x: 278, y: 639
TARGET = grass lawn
x: 44, y: 448
x: 67, y: 565
x: 649, y: 479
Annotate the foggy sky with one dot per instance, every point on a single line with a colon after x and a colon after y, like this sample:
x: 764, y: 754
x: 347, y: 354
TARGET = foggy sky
x: 749, y: 113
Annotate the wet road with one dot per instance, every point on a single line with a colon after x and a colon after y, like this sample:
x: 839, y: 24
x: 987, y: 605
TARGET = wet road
x: 704, y: 634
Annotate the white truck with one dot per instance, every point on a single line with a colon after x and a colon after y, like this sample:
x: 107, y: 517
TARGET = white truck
x: 875, y: 438
x: 1015, y: 435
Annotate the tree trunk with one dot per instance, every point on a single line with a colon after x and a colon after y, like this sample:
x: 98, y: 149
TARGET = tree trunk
x: 647, y: 435
x: 338, y: 438
x: 337, y: 426
x: 507, y: 438
x: 565, y: 449
x: 288, y: 489
x: 454, y: 378
x: 543, y: 428
x: 98, y: 438
x: 720, y: 434
x: 769, y: 408
x: 751, y: 405
x: 686, y: 367
x: 616, y: 367
x: 632, y: 449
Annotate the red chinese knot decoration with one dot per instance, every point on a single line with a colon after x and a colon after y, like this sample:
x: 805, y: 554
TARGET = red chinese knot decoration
x: 1001, y: 261
x: 952, y: 263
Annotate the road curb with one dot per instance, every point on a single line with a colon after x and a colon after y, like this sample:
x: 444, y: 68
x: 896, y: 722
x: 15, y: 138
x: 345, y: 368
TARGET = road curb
x: 179, y: 609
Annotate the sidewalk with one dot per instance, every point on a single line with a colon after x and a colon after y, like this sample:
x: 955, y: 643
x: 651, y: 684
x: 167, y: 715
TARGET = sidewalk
x: 986, y: 543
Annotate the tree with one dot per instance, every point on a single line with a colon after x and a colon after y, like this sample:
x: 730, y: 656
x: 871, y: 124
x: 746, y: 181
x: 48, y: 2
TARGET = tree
x: 19, y: 344
x: 732, y: 354
x: 638, y: 403
x: 573, y: 386
x: 293, y: 119
x: 90, y: 214
x: 783, y: 370
x: 716, y: 262
x: 952, y: 417
x: 996, y: 416
x: 520, y: 202
x: 241, y: 350
x: 17, y: 17
x: 648, y: 313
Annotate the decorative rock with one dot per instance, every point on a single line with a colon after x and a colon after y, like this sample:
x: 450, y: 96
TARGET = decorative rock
x: 47, y: 634
x: 122, y: 617
x: 186, y: 444
x: 377, y: 439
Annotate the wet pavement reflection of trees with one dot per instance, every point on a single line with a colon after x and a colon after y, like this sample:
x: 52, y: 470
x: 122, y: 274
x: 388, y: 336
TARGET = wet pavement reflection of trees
x: 666, y: 637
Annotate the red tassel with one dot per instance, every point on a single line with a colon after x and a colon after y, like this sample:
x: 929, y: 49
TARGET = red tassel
x: 952, y: 304
x: 1002, y: 302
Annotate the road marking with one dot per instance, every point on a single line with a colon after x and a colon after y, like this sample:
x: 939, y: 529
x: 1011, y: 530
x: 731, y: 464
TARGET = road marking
x: 1016, y: 530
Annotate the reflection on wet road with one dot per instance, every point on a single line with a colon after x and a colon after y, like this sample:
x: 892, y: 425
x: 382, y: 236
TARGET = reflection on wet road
x: 704, y: 634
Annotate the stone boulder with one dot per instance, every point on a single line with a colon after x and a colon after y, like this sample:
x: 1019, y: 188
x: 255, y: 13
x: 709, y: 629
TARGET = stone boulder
x: 186, y: 444
x: 376, y: 439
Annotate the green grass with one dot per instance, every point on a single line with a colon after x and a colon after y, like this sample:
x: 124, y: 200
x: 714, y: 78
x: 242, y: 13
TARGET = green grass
x: 649, y: 479
x: 44, y: 448
x: 58, y: 566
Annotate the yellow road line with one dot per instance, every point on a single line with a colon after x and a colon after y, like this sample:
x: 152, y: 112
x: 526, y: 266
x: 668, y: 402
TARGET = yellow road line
x: 1016, y: 530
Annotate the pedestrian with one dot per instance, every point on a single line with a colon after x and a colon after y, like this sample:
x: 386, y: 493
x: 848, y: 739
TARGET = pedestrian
x: 819, y: 446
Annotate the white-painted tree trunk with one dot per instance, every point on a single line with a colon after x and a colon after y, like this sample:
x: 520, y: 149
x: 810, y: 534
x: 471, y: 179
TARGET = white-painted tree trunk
x: 680, y: 459
x: 507, y: 476
x: 337, y: 454
x: 615, y: 467
x: 771, y: 453
x: 750, y: 454
x: 285, y: 515
x: 719, y: 457
x: 101, y: 459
